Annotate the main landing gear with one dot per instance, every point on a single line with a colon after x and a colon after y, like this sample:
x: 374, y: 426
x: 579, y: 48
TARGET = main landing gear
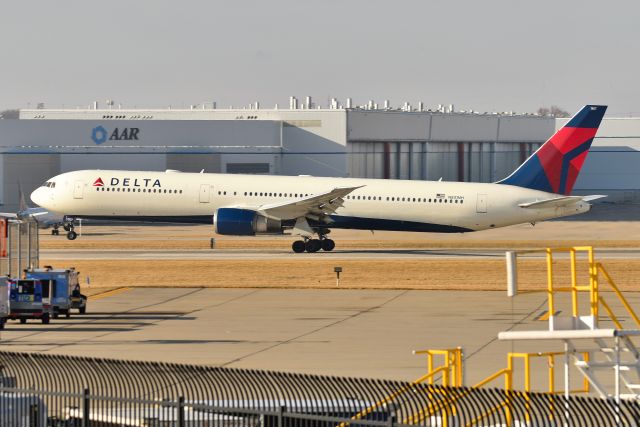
x: 313, y: 245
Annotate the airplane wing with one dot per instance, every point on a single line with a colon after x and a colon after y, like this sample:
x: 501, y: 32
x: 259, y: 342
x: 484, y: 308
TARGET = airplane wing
x: 557, y: 202
x: 317, y: 207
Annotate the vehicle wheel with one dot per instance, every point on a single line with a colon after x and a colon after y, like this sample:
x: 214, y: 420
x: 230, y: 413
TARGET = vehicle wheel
x: 83, y: 310
x: 23, y: 320
x: 313, y: 245
x: 298, y: 246
x: 2, y: 323
x: 54, y: 232
x: 45, y: 319
x: 67, y: 314
x: 328, y: 245
x: 72, y: 235
x: 56, y: 314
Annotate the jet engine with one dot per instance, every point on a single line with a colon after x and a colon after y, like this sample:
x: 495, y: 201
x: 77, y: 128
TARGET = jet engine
x: 244, y: 222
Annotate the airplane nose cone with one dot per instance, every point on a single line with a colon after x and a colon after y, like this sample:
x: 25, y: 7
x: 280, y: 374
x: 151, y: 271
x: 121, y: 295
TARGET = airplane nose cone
x: 38, y: 196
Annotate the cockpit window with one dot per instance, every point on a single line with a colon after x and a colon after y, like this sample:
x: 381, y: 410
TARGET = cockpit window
x: 49, y: 184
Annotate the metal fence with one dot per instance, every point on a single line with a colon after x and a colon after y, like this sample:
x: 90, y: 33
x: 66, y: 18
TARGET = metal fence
x: 38, y: 390
x: 19, y: 246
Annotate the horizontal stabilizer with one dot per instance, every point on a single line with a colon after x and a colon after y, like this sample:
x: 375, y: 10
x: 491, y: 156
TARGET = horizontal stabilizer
x: 557, y: 202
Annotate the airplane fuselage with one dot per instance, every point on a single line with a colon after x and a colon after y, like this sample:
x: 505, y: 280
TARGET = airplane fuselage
x: 399, y: 205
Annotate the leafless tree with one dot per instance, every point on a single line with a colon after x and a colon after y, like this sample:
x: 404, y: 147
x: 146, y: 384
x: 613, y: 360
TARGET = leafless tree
x: 9, y: 114
x: 554, y: 111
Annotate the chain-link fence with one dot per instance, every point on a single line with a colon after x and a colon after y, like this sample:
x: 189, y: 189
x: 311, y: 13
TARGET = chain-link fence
x: 53, y: 390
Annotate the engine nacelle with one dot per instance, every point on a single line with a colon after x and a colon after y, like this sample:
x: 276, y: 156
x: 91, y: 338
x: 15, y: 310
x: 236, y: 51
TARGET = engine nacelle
x: 244, y: 222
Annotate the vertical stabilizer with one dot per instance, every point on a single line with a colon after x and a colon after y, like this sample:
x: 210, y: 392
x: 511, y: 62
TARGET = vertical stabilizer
x: 555, y: 166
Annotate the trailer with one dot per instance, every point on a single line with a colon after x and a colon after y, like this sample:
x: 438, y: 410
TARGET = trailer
x: 65, y: 289
x: 27, y: 300
x: 4, y: 301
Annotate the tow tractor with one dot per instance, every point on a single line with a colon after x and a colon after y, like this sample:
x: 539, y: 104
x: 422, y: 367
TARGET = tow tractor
x: 28, y: 301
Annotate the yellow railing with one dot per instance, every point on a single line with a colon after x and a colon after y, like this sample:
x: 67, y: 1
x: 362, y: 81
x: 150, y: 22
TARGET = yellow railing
x: 451, y: 367
x: 596, y: 300
x: 600, y: 269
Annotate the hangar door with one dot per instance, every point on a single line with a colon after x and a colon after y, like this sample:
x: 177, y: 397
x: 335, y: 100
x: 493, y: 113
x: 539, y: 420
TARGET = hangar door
x: 204, y: 193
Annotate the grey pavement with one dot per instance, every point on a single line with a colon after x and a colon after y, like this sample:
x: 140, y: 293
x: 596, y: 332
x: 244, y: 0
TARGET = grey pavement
x: 338, y: 332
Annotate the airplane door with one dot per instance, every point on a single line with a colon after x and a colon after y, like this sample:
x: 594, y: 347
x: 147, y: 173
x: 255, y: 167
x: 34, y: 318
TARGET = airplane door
x: 78, y: 189
x: 204, y: 193
x: 481, y: 204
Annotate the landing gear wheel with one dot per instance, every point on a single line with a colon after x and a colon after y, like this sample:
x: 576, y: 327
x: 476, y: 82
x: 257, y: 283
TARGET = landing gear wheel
x: 328, y: 245
x: 72, y: 235
x: 67, y: 227
x: 313, y: 245
x: 298, y: 246
x: 55, y: 232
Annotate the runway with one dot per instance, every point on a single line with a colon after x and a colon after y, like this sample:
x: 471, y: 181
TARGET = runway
x: 264, y: 254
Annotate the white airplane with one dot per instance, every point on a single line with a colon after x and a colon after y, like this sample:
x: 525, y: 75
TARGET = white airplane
x: 308, y: 206
x: 43, y: 217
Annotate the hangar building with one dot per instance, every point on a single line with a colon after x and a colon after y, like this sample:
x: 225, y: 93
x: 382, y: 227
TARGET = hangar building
x: 357, y: 141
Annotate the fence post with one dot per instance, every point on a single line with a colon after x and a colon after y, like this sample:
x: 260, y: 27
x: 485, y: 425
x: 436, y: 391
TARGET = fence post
x: 86, y: 408
x: 391, y: 421
x: 281, y: 410
x: 181, y: 411
x: 34, y: 415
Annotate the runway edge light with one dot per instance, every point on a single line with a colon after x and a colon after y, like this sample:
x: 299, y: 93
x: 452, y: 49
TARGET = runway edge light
x: 512, y: 273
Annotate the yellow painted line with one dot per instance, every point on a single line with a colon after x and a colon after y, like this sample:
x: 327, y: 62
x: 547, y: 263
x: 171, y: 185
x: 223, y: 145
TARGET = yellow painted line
x: 544, y: 316
x: 109, y: 293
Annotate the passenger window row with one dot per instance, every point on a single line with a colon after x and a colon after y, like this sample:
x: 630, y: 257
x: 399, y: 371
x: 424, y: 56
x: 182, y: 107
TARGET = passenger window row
x: 139, y: 190
x: 265, y: 194
x: 406, y: 199
x: 349, y: 197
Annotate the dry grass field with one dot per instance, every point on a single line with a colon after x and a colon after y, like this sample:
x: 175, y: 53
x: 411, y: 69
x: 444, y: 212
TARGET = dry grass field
x: 311, y: 271
x: 357, y: 274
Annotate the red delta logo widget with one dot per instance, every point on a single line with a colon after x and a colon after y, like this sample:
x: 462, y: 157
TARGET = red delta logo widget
x: 98, y: 183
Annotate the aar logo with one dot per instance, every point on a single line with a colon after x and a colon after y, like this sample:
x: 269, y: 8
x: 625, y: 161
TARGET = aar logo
x: 100, y: 135
x: 98, y: 183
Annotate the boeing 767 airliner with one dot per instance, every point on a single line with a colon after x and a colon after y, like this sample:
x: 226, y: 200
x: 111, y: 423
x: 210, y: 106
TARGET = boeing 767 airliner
x: 310, y: 207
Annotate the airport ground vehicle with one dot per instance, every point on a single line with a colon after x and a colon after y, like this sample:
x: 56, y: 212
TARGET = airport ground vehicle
x: 4, y: 301
x: 65, y: 289
x: 28, y: 300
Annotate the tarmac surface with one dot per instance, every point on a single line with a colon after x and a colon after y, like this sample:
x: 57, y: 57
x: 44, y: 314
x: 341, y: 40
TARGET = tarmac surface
x: 335, y: 332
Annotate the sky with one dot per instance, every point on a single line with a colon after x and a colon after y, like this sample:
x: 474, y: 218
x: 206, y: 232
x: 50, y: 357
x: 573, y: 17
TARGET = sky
x: 480, y: 55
